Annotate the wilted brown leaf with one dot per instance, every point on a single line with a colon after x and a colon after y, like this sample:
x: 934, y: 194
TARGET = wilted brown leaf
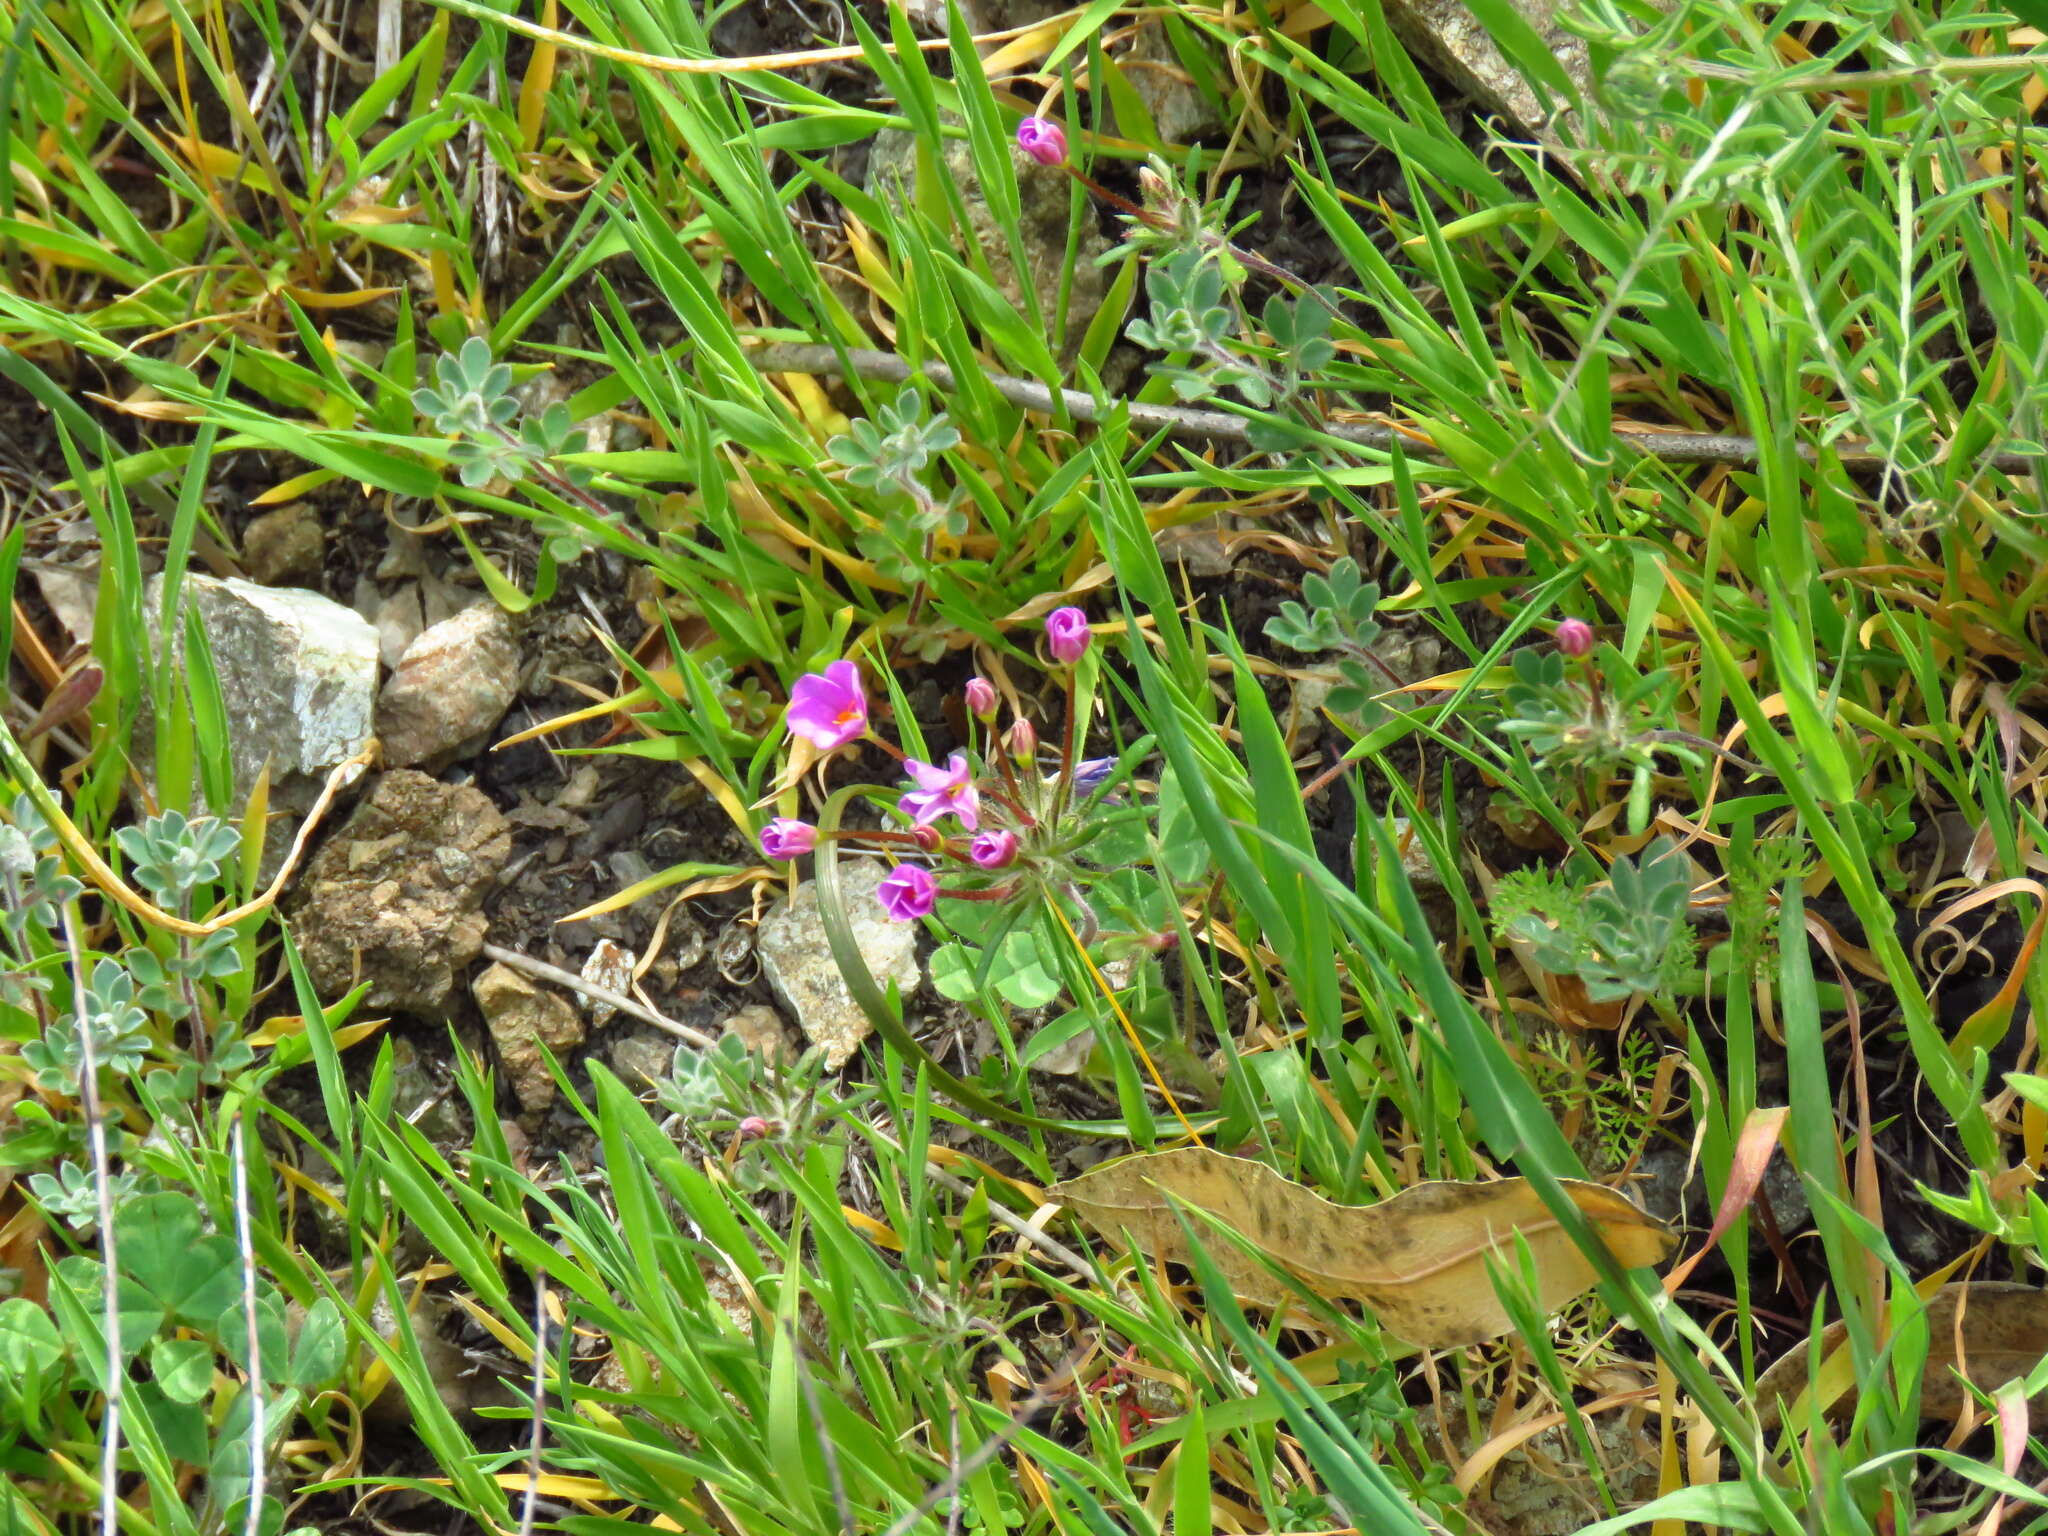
x: 1418, y: 1261
x: 2004, y: 1335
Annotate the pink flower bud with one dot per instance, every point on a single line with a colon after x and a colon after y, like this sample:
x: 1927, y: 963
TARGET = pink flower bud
x: 1574, y: 637
x: 928, y: 837
x: 1023, y: 742
x: 1043, y: 140
x: 981, y: 698
x: 786, y: 838
x: 993, y: 850
x: 753, y: 1128
x: 1067, y: 635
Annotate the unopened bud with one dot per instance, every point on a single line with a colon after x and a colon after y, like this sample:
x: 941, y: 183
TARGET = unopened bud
x: 753, y: 1128
x: 928, y: 837
x: 981, y: 698
x: 1574, y: 638
x: 1023, y: 741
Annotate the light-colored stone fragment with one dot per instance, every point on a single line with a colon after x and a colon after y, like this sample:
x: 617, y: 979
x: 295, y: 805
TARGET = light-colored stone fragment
x: 641, y: 1059
x: 283, y: 548
x: 452, y: 685
x: 1458, y: 46
x: 522, y: 1018
x: 298, y: 674
x: 759, y: 1029
x: 797, y: 959
x: 610, y: 966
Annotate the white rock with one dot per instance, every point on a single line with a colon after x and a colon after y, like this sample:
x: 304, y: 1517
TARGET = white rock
x: 797, y: 959
x: 297, y: 670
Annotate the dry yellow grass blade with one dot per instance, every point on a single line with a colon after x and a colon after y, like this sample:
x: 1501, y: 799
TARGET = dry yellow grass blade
x: 1417, y: 1261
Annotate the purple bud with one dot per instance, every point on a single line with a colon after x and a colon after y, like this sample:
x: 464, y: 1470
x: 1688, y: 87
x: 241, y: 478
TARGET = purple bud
x: 1574, y: 637
x: 786, y: 838
x: 1043, y: 140
x: 993, y: 850
x: 1067, y: 635
x: 981, y: 698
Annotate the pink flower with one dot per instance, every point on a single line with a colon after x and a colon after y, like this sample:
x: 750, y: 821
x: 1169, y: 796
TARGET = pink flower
x: 1574, y: 637
x: 981, y: 698
x: 786, y: 838
x: 1067, y: 635
x: 828, y: 709
x: 907, y: 893
x: 993, y: 850
x: 946, y: 791
x: 1043, y: 140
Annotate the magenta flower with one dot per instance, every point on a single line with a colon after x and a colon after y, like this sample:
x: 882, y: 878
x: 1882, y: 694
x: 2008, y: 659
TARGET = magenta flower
x: 786, y: 838
x: 1043, y: 140
x: 946, y: 791
x: 907, y: 893
x: 993, y: 850
x: 828, y: 709
x: 1067, y: 635
x: 981, y: 698
x: 1574, y: 637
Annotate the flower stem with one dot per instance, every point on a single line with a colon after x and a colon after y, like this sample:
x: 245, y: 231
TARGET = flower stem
x: 1059, y: 804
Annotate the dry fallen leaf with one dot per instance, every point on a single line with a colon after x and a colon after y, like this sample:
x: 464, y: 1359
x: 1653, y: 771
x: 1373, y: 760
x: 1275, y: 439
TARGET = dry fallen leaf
x: 2003, y: 1336
x: 1418, y: 1261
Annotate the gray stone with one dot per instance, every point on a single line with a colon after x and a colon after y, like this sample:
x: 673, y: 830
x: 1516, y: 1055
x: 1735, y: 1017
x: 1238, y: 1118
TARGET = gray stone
x: 298, y: 673
x: 1180, y: 112
x: 522, y: 1018
x: 1045, y: 207
x: 398, y: 619
x: 395, y: 899
x: 1203, y: 547
x: 1458, y: 46
x: 797, y: 959
x: 759, y: 1029
x: 640, y: 1059
x: 284, y: 548
x: 451, y: 686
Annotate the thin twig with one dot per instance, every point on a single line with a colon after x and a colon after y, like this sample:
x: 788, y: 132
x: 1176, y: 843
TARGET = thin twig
x: 1002, y: 1216
x: 598, y: 994
x: 537, y: 1402
x: 245, y: 1249
x: 103, y: 1198
x: 1731, y: 448
x: 673, y: 64
x: 834, y: 1479
x: 993, y: 1446
x: 111, y: 885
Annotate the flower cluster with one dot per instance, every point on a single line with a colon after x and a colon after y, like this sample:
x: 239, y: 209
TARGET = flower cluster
x: 982, y: 813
